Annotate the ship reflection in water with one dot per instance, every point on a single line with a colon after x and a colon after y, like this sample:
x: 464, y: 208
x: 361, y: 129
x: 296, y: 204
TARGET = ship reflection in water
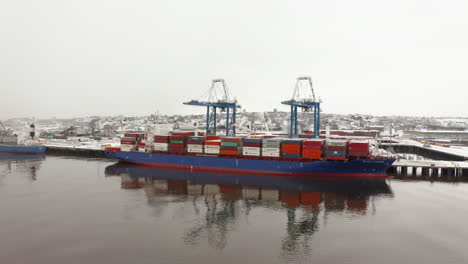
x: 25, y: 164
x: 220, y: 200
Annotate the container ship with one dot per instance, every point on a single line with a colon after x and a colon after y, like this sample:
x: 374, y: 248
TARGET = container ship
x: 261, y: 155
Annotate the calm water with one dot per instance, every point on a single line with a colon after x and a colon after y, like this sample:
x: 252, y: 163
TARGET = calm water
x: 67, y: 210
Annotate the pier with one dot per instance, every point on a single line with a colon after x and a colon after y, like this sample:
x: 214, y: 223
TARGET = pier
x: 428, y: 168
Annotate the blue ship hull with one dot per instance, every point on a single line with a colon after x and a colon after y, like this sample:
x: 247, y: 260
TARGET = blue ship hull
x: 318, y: 168
x: 20, y: 149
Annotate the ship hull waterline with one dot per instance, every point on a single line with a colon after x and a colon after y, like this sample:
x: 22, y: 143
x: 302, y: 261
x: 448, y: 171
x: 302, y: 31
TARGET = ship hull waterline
x: 365, y: 168
x: 18, y: 149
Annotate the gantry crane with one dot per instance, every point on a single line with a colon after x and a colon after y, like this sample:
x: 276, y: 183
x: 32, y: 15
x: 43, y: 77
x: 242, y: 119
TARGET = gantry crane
x: 308, y: 102
x: 218, y: 97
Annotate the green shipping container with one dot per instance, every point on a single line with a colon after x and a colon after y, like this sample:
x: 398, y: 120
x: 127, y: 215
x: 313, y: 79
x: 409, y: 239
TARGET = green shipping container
x: 230, y: 144
x: 173, y: 141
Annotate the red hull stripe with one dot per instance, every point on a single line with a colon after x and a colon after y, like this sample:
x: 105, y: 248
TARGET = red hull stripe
x: 14, y: 152
x: 259, y: 172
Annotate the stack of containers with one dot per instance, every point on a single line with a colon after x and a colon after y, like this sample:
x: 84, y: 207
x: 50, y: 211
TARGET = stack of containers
x: 195, y: 144
x: 291, y: 148
x: 127, y: 143
x: 336, y: 149
x: 161, y: 143
x: 271, y: 147
x: 312, y: 148
x: 177, y: 141
x: 137, y: 135
x: 358, y: 149
x: 212, y: 146
x: 230, y: 145
x: 251, y: 146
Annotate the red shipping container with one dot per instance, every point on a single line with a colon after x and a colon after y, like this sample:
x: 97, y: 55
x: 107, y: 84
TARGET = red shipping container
x: 311, y: 154
x: 290, y: 148
x: 338, y: 148
x: 358, y: 154
x: 353, y: 147
x: 184, y: 134
x: 177, y: 137
x: 231, y: 139
x: 127, y: 142
x: 142, y: 144
x: 211, y: 137
x: 229, y: 152
x: 229, y: 148
x: 213, y: 142
x: 161, y: 139
x: 311, y: 142
x: 200, y: 133
x: 250, y: 144
x: 311, y: 147
x: 195, y: 142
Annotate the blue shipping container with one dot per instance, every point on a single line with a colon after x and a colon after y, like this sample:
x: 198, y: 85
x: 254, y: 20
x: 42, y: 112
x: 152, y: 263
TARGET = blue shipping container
x: 336, y: 152
x: 291, y: 155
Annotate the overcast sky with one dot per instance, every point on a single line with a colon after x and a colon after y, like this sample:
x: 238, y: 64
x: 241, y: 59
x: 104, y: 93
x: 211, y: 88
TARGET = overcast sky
x: 68, y: 58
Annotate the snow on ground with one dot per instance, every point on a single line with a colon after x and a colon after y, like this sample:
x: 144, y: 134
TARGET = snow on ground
x: 457, y: 150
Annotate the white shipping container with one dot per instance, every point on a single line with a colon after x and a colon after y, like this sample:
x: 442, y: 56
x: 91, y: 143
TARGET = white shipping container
x: 160, y: 146
x: 250, y: 151
x: 212, y: 149
x: 270, y: 154
x: 191, y: 150
x: 125, y: 147
x: 194, y: 146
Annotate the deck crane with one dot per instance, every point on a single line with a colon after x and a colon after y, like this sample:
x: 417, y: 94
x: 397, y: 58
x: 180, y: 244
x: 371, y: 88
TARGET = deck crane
x: 218, y: 97
x: 307, y: 101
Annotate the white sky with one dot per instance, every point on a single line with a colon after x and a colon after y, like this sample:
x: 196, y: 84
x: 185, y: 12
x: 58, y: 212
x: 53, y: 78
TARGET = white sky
x: 68, y: 58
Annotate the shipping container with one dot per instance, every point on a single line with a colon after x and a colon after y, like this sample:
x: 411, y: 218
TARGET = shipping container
x: 161, y: 139
x: 291, y: 155
x: 212, y: 137
x: 338, y: 148
x: 160, y: 146
x: 335, y: 157
x: 251, y: 144
x: 336, y: 152
x: 213, y: 142
x: 252, y: 140
x: 311, y: 154
x: 231, y: 139
x: 291, y: 148
x: 230, y: 144
x: 229, y: 148
x: 337, y: 142
x: 229, y: 152
x: 251, y: 151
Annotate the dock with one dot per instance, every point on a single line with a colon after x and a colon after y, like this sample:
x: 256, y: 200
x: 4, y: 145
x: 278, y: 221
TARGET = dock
x: 429, y: 168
